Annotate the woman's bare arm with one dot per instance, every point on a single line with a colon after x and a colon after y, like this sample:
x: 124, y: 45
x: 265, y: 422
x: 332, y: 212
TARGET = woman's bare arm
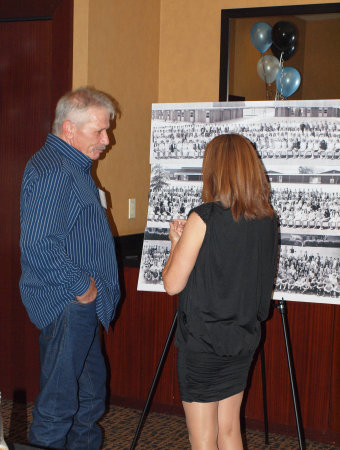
x: 183, y: 253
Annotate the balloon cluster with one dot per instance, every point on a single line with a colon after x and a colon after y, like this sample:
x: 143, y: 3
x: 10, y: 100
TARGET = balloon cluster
x: 281, y: 39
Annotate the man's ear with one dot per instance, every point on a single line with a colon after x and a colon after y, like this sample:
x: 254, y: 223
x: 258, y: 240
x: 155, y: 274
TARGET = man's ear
x: 68, y: 129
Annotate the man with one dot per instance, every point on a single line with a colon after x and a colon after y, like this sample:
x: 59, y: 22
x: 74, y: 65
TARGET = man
x: 69, y: 276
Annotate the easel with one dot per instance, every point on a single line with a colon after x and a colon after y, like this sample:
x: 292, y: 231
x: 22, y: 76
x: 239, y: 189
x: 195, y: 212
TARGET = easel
x: 282, y: 307
x: 154, y: 382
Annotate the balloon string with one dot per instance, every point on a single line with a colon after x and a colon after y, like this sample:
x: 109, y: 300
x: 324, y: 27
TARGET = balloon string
x: 281, y: 67
x: 264, y: 72
x: 265, y: 80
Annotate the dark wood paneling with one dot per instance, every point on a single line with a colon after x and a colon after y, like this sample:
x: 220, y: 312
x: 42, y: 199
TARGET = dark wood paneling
x: 27, y: 71
x: 135, y: 343
x: 25, y: 93
x: 141, y: 328
x: 312, y: 331
x: 334, y: 410
x: 62, y: 51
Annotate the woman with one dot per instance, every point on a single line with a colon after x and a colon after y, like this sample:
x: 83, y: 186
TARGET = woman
x: 222, y: 262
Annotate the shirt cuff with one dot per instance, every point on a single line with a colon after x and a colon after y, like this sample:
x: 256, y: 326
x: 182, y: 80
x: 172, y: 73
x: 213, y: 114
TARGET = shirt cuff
x: 82, y: 285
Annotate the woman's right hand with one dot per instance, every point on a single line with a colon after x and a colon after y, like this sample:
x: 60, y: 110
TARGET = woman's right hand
x: 176, y: 230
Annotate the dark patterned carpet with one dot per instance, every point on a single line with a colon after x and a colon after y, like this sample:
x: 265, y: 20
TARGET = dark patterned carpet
x: 160, y: 431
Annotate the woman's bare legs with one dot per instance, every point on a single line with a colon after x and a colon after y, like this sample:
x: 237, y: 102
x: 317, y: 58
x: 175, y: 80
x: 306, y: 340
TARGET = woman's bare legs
x: 229, y: 429
x: 215, y: 425
x: 202, y: 424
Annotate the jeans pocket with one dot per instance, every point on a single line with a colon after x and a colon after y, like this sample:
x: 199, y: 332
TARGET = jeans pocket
x: 77, y: 302
x: 49, y: 331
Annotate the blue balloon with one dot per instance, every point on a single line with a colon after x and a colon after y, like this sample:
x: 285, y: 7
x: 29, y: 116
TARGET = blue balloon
x: 288, y: 81
x: 261, y: 36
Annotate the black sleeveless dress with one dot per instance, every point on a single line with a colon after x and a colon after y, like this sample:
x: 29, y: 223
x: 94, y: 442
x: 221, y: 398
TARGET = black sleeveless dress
x: 221, y: 308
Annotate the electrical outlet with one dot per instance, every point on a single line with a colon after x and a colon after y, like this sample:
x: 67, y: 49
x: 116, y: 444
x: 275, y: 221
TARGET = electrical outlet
x: 132, y: 208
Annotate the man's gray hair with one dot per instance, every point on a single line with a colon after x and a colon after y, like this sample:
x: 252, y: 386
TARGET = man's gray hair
x: 74, y: 106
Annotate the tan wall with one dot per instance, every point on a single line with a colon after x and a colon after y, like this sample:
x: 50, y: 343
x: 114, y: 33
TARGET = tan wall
x: 144, y: 51
x: 122, y: 59
x: 322, y: 68
x: 81, y: 43
x: 190, y: 47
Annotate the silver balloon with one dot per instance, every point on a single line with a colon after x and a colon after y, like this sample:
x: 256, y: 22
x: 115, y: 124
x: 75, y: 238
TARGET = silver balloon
x: 268, y: 67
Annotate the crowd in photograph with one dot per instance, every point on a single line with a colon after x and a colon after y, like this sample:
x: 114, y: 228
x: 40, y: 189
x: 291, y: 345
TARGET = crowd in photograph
x: 307, y: 208
x: 308, y: 274
x: 273, y: 139
x: 302, y: 274
x: 295, y: 139
x: 297, y: 208
x: 153, y: 262
x: 173, y: 202
x: 178, y: 140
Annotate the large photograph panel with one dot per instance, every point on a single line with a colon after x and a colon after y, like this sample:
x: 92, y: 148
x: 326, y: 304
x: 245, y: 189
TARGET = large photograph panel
x: 299, y: 144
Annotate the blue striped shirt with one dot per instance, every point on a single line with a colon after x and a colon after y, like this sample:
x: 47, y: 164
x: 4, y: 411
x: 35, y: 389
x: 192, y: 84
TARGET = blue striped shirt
x: 65, y: 235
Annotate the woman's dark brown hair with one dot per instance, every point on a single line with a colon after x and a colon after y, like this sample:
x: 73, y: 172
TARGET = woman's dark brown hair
x: 234, y: 175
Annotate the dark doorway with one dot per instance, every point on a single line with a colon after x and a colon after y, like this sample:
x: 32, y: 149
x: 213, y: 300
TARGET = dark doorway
x: 35, y: 70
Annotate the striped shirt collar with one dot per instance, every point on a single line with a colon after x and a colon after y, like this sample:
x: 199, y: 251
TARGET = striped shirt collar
x: 76, y: 156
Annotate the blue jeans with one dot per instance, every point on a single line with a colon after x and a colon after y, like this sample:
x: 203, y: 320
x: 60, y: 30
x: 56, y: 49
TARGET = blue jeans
x: 72, y: 383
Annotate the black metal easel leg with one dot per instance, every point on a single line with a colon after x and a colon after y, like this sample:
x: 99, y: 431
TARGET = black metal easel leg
x: 282, y: 307
x: 154, y: 382
x: 264, y: 396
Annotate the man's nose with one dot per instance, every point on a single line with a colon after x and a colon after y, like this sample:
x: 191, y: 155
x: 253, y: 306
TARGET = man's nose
x: 104, y: 138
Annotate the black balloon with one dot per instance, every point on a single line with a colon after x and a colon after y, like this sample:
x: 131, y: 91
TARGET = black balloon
x: 284, y: 35
x: 286, y: 54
